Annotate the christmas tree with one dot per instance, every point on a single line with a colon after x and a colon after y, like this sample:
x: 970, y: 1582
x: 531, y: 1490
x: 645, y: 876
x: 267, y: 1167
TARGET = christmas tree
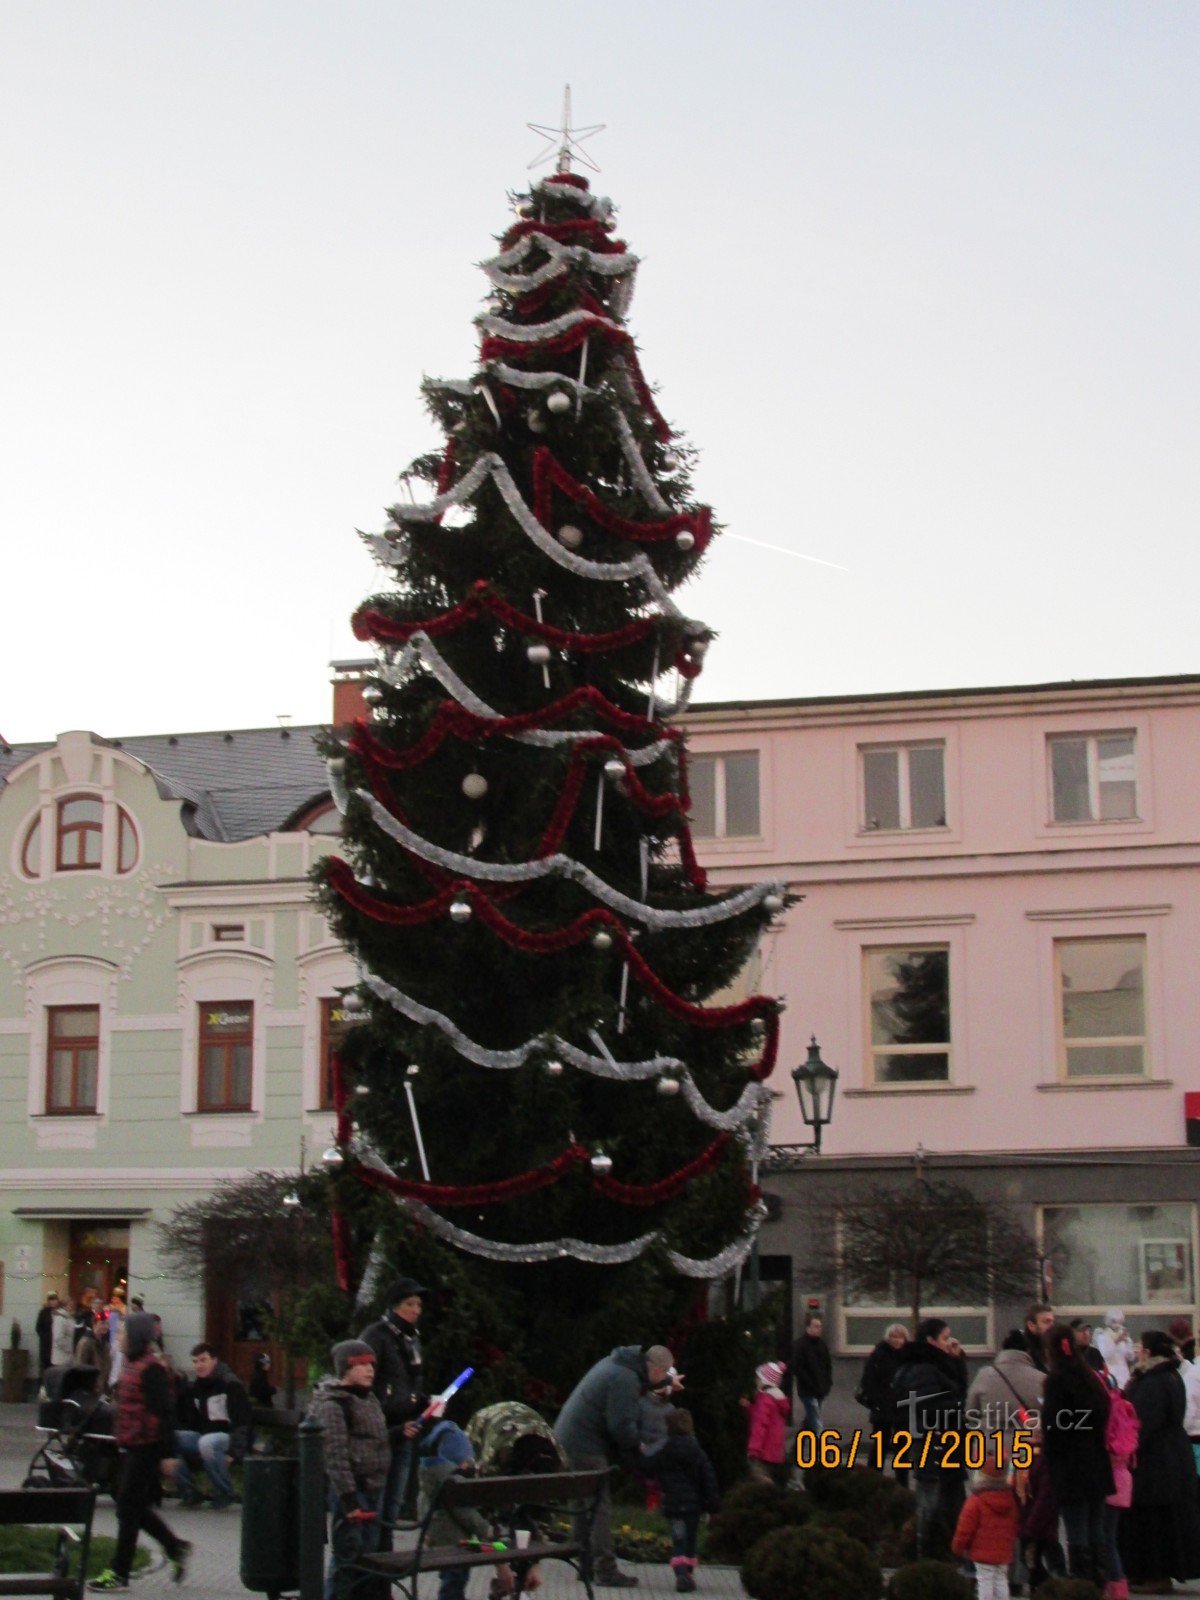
x: 539, y: 1078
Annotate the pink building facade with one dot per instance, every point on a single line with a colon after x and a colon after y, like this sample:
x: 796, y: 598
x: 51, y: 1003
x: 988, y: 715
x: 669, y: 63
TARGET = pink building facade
x: 999, y: 949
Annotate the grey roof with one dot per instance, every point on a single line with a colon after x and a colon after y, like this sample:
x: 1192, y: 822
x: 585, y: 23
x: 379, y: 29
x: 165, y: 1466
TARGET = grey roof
x: 235, y: 785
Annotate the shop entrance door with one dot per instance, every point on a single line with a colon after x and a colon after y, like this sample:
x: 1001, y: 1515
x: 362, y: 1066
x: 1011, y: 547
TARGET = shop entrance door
x: 98, y: 1259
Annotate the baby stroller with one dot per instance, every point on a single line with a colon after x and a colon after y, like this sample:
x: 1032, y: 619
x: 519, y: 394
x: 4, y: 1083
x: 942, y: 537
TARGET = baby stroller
x: 75, y: 1423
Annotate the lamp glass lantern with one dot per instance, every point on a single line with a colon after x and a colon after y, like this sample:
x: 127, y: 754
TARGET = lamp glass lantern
x: 816, y: 1085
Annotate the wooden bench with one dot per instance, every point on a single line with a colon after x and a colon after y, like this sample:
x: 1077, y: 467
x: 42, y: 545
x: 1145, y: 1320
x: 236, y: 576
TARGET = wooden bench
x: 71, y: 1512
x: 510, y: 1502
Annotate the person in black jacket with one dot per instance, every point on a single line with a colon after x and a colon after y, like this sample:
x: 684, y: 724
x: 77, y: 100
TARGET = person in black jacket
x: 399, y: 1388
x: 875, y: 1386
x: 1075, y: 1407
x: 930, y: 1388
x: 1159, y: 1535
x: 44, y: 1328
x: 216, y: 1410
x: 689, y: 1488
x: 812, y: 1370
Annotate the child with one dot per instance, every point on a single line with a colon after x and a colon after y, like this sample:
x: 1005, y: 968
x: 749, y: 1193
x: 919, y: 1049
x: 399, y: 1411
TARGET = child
x: 144, y: 1429
x: 443, y: 1451
x: 654, y: 1413
x: 770, y: 1412
x: 1121, y: 1440
x: 986, y: 1533
x: 689, y: 1488
x: 357, y: 1456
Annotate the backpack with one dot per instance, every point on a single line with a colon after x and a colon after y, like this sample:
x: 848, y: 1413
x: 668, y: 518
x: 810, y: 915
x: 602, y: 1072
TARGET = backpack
x: 1122, y: 1428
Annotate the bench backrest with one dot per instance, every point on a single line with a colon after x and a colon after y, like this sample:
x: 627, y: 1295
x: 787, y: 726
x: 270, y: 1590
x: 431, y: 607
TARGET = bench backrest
x: 528, y: 1489
x: 47, y: 1507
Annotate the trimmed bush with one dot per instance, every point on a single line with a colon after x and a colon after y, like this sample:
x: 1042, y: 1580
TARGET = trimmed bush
x: 860, y: 1489
x: 813, y: 1563
x: 1069, y: 1589
x: 748, y: 1512
x: 930, y: 1580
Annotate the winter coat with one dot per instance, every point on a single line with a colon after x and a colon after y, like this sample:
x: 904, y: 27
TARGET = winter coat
x: 812, y: 1367
x: 1039, y: 1510
x: 443, y: 1452
x: 220, y: 1404
x: 769, y: 1418
x: 601, y: 1412
x: 357, y: 1450
x: 987, y: 1526
x: 686, y: 1478
x: 399, y: 1370
x: 44, y: 1328
x: 1165, y: 1472
x: 929, y: 1388
x: 1074, y: 1418
x: 1118, y: 1353
x: 875, y: 1386
x: 1000, y: 1393
x: 62, y: 1339
x: 144, y: 1415
x: 1189, y: 1371
x: 653, y: 1412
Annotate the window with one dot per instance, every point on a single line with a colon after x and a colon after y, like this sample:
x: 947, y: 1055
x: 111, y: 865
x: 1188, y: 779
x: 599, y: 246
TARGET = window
x: 333, y: 1031
x: 1141, y: 1258
x: 226, y: 1054
x: 908, y: 1021
x: 72, y: 1060
x: 324, y: 817
x: 904, y: 786
x: 31, y: 849
x: 724, y: 793
x: 1093, y: 778
x: 80, y: 831
x: 1102, y: 1007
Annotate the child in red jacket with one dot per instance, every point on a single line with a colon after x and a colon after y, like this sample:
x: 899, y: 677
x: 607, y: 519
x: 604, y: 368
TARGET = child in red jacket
x: 986, y: 1533
x: 770, y: 1413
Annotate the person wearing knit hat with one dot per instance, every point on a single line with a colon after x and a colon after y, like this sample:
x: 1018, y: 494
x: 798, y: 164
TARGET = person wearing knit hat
x: 357, y: 1456
x: 400, y: 1389
x: 770, y: 1412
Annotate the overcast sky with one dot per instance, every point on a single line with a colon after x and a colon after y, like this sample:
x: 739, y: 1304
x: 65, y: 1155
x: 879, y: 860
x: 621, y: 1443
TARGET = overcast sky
x: 920, y: 282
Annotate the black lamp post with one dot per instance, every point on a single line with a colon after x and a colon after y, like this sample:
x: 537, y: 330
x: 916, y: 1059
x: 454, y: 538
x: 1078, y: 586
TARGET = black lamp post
x: 816, y: 1085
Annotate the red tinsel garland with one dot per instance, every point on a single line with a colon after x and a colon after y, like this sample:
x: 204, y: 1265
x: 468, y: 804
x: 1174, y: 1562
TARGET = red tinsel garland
x: 549, y: 474
x: 575, y: 179
x: 587, y: 230
x: 561, y: 344
x: 371, y: 623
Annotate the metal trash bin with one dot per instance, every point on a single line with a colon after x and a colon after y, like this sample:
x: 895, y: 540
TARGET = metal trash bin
x: 270, y: 1561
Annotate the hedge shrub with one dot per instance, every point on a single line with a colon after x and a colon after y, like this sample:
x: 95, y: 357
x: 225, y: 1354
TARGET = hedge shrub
x: 1069, y: 1589
x: 748, y: 1512
x: 930, y: 1580
x: 813, y: 1563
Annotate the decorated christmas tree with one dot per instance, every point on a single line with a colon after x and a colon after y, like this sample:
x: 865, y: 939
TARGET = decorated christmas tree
x: 539, y: 1084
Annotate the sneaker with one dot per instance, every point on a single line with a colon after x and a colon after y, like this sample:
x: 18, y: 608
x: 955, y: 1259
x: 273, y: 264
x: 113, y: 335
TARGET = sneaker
x: 615, y: 1580
x: 108, y: 1582
x: 179, y: 1561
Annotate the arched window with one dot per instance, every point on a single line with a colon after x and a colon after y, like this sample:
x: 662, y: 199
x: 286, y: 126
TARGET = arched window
x: 80, y: 832
x: 31, y: 850
x: 323, y: 817
x: 127, y: 843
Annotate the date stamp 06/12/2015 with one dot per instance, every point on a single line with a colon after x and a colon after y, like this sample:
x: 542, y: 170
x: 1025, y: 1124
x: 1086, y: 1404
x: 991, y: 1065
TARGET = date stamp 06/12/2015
x: 952, y: 1451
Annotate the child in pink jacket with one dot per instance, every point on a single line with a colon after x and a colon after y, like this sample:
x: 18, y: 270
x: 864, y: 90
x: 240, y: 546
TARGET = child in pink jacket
x: 1121, y: 1438
x: 770, y: 1413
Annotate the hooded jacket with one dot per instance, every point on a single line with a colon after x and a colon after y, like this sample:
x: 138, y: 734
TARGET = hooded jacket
x: 357, y: 1450
x: 399, y: 1368
x: 1000, y: 1393
x: 600, y: 1414
x: 929, y: 1389
x: 987, y: 1526
x: 444, y: 1451
x: 686, y: 1478
x: 770, y: 1414
x: 220, y: 1404
x: 145, y: 1416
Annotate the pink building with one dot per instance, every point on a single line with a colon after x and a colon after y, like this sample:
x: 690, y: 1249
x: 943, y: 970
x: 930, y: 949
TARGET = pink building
x: 998, y: 948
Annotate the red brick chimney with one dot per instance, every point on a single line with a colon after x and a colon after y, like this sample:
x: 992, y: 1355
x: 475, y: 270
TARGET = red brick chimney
x: 348, y: 680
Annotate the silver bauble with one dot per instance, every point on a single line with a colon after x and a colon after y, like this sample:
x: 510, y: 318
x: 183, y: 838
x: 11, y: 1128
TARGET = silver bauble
x: 601, y: 1164
x: 333, y: 1160
x: 539, y: 654
x: 668, y: 1086
x: 685, y: 540
x: 614, y: 768
x: 474, y: 786
x: 460, y: 911
x: 602, y: 939
x: 559, y: 402
x: 773, y: 902
x: 553, y: 1069
x: 570, y: 535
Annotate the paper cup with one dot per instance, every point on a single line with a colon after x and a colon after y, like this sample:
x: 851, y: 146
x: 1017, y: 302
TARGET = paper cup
x: 522, y: 1538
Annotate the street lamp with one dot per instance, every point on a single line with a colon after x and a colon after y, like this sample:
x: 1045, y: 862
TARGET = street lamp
x: 816, y: 1085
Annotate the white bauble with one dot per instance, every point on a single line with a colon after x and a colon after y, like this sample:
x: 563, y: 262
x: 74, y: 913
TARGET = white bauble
x: 373, y: 694
x: 614, y: 769
x: 553, y: 1069
x: 773, y: 902
x: 670, y: 462
x: 535, y: 421
x: 668, y: 1086
x: 539, y: 654
x: 474, y: 786
x: 570, y: 535
x: 602, y: 939
x: 601, y: 1164
x: 333, y: 1160
x: 460, y: 911
x: 559, y: 402
x: 685, y: 540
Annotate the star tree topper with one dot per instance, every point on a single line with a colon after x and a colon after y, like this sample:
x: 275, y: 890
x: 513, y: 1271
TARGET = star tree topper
x: 565, y: 142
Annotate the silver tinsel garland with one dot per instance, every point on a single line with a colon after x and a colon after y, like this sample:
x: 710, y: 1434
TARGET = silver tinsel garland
x: 535, y: 332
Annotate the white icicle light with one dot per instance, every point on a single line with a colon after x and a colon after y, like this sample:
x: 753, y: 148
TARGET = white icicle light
x: 570, y: 535
x: 474, y: 786
x: 460, y: 911
x: 685, y: 540
x: 602, y: 939
x: 601, y: 1164
x: 539, y: 654
x: 559, y: 402
x: 333, y: 1160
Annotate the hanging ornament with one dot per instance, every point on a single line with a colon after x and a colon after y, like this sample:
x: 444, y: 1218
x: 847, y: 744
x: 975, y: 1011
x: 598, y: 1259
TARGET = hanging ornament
x: 558, y: 402
x: 361, y: 1089
x: 670, y: 462
x: 553, y: 1069
x: 570, y: 535
x: 685, y: 540
x: 602, y: 939
x: 333, y: 1160
x: 601, y: 1164
x: 539, y: 654
x: 773, y: 903
x: 352, y: 1003
x: 668, y: 1085
x: 697, y: 648
x: 412, y: 1070
x: 373, y: 694
x: 535, y: 421
x: 474, y: 786
x: 460, y: 911
x: 291, y: 1200
x: 526, y: 210
x: 614, y: 769
x: 336, y: 766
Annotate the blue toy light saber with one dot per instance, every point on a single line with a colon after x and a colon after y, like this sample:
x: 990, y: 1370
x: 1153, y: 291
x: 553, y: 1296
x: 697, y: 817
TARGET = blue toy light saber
x: 440, y: 1401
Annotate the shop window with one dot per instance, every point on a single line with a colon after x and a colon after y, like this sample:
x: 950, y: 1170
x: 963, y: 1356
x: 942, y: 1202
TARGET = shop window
x: 724, y: 792
x: 1102, y: 1008
x: 334, y: 1023
x: 72, y: 1060
x: 226, y: 1055
x: 1138, y: 1257
x: 907, y: 994
x: 903, y: 787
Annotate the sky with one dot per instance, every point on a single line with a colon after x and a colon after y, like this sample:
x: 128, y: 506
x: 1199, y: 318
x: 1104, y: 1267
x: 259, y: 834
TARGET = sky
x: 919, y: 282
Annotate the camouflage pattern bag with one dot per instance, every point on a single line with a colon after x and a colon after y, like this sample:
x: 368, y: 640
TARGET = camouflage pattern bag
x: 509, y: 1437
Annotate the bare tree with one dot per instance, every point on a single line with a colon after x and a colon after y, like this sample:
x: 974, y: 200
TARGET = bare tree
x: 244, y: 1237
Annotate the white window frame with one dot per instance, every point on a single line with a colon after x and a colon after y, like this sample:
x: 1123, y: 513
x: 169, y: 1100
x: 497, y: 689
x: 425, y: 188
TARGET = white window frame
x: 847, y: 1309
x: 1159, y: 1312
x: 1092, y: 739
x: 871, y: 1050
x: 1147, y: 1072
x: 718, y: 759
x: 213, y: 977
x: 69, y: 981
x: 902, y: 750
x: 323, y: 972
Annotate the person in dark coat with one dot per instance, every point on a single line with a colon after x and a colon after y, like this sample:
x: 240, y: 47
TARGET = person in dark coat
x: 689, y: 1488
x: 400, y: 1390
x: 1074, y: 1418
x: 812, y: 1369
x: 930, y: 1388
x: 875, y: 1388
x: 44, y: 1328
x: 1083, y: 1340
x: 1159, y: 1535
